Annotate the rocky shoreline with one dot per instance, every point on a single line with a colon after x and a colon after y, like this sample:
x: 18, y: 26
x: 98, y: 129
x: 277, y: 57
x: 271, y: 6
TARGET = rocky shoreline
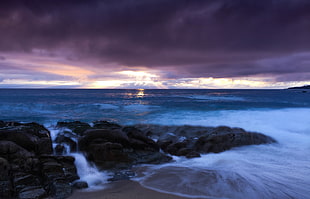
x: 30, y: 168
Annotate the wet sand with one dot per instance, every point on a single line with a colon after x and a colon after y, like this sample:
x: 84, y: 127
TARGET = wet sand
x: 123, y: 190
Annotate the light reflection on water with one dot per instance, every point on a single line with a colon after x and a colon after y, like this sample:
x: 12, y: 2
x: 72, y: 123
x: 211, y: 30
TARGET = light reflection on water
x: 138, y: 93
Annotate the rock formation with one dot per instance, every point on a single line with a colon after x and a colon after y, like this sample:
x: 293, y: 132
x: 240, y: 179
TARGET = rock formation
x: 31, y: 169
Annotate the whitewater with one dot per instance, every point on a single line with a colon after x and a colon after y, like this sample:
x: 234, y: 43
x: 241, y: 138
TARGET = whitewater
x: 280, y: 170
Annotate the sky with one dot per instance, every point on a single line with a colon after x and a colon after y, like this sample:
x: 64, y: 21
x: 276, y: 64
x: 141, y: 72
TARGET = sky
x: 144, y: 44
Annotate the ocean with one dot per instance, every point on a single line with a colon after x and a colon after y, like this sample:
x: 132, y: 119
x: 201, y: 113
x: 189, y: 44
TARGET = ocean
x: 280, y: 170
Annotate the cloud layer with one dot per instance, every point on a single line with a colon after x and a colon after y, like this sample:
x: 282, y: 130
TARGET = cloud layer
x: 183, y: 38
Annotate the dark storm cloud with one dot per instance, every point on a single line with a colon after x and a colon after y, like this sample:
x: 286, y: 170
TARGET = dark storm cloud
x: 222, y: 38
x: 279, y: 65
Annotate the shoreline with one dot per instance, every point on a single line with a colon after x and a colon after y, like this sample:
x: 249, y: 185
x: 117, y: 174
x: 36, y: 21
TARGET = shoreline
x: 124, y: 189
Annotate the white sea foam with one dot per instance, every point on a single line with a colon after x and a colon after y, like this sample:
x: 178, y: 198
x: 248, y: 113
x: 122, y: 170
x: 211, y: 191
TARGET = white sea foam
x: 278, y: 170
x: 53, y: 132
x: 89, y: 173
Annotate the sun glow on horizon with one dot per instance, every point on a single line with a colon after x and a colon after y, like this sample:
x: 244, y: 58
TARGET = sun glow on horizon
x: 139, y: 75
x: 29, y: 71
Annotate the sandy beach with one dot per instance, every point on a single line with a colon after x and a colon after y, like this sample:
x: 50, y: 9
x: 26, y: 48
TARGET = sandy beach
x: 126, y: 189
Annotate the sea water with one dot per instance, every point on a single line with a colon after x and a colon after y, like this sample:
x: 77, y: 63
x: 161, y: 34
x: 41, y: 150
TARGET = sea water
x: 280, y: 170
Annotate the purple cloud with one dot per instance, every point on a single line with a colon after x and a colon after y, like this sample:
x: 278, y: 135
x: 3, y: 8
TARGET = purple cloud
x: 224, y: 38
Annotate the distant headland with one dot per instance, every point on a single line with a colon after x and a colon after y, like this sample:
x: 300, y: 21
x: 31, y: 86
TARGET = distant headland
x: 301, y: 87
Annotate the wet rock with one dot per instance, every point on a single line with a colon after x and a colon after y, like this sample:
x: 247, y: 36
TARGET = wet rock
x: 167, y: 139
x: 101, y: 136
x: 17, y: 156
x: 225, y: 138
x: 5, y: 179
x: 27, y: 167
x: 23, y: 180
x: 60, y: 149
x: 58, y: 173
x: 80, y: 185
x: 6, y: 190
x: 120, y: 148
x: 2, y: 124
x: 32, y: 137
x: 184, y: 151
x: 32, y: 192
x: 106, y: 125
x: 4, y: 169
x: 58, y: 167
x: 189, y: 141
x: 60, y: 189
x: 149, y: 157
x: 108, y: 155
x: 63, y: 139
x: 138, y: 140
x: 175, y: 147
x: 44, y: 146
x: 77, y: 127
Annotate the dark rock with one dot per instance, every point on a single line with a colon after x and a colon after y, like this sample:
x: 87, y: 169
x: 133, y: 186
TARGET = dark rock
x: 44, y: 146
x: 166, y: 140
x: 60, y: 149
x: 183, y: 151
x: 80, y: 185
x: 27, y: 167
x: 189, y: 141
x: 31, y: 136
x: 58, y: 167
x: 139, y: 141
x: 36, y: 129
x: 31, y: 128
x: 148, y: 157
x: 175, y: 147
x: 108, y: 155
x: 77, y: 127
x: 58, y: 172
x: 120, y: 148
x: 4, y: 169
x: 224, y: 138
x: 100, y: 136
x: 17, y: 156
x: 21, y: 138
x: 2, y: 124
x: 32, y: 192
x: 6, y: 190
x: 52, y: 167
x: 23, y: 180
x: 106, y: 125
x: 60, y: 189
x: 63, y: 139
